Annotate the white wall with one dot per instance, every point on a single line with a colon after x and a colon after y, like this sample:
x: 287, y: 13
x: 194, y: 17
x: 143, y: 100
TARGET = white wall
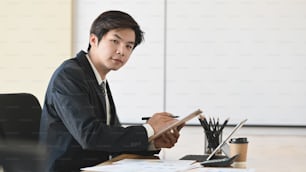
x: 237, y: 59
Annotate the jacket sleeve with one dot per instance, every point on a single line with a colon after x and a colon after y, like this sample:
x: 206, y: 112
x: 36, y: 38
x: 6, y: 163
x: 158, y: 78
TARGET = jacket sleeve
x: 71, y: 98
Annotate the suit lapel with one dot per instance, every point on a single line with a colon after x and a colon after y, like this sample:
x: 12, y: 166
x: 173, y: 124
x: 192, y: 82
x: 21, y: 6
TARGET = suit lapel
x: 81, y: 57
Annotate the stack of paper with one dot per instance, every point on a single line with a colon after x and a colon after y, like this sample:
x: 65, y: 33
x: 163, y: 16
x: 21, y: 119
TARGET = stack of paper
x: 141, y: 165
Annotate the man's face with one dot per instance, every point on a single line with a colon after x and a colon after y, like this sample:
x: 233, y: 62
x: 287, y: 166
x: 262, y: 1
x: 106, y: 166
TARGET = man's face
x: 113, y: 50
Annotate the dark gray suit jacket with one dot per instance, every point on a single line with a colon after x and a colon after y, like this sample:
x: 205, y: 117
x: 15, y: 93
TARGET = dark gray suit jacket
x: 73, y: 123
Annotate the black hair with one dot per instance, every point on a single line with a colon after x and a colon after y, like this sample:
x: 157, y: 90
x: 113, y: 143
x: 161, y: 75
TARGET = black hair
x: 113, y: 20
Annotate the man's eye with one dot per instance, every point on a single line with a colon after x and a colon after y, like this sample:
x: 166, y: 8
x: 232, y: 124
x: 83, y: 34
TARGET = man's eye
x: 115, y: 41
x: 129, y: 47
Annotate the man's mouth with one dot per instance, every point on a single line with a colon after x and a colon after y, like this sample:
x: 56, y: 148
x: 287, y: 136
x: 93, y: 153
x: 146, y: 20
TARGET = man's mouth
x: 117, y: 60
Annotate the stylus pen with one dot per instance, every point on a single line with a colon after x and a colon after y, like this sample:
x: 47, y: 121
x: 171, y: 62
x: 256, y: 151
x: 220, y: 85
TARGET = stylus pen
x: 147, y: 118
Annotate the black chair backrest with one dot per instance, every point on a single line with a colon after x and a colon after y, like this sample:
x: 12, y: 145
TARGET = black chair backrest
x: 19, y: 117
x: 19, y: 133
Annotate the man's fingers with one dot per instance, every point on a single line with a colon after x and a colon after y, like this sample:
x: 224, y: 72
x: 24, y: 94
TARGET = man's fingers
x: 172, y: 136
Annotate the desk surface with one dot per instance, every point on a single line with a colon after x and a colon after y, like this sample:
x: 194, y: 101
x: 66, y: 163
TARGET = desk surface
x: 128, y: 156
x: 125, y: 156
x: 131, y: 156
x: 283, y: 148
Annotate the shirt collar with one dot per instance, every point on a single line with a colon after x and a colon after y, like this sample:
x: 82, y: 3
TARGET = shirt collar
x: 98, y: 77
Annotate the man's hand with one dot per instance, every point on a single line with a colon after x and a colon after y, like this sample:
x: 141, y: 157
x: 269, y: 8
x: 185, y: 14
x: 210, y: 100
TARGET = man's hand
x: 160, y: 121
x: 168, y: 139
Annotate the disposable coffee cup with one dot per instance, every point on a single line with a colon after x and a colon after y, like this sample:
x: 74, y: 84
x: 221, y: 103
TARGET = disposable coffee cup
x: 239, y: 146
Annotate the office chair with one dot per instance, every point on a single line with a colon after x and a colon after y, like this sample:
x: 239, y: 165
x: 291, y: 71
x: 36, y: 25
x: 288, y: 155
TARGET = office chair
x: 19, y: 117
x: 19, y: 133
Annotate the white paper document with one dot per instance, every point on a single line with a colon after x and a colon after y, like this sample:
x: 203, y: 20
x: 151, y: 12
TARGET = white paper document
x: 144, y: 165
x: 207, y: 169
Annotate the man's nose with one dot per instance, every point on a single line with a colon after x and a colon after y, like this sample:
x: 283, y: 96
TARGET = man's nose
x: 120, y: 50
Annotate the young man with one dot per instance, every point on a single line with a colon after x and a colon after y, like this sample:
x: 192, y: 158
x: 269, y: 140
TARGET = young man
x: 79, y: 124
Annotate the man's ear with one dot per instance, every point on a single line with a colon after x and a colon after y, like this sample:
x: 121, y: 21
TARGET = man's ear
x: 93, y: 40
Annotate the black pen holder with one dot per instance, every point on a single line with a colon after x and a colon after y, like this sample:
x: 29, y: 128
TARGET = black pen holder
x: 211, y: 141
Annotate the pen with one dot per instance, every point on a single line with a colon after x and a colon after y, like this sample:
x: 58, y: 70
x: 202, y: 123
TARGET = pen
x: 203, y: 122
x: 147, y: 118
x: 224, y: 124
